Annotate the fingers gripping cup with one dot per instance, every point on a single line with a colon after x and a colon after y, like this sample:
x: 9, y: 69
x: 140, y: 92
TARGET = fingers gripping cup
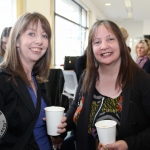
x: 54, y: 115
x: 106, y: 130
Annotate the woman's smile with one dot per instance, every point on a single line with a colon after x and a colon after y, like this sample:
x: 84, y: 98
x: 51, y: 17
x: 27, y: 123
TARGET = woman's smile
x: 106, y: 54
x: 35, y: 50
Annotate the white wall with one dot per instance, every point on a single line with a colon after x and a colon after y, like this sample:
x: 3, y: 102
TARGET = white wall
x: 146, y: 27
x: 135, y: 31
x: 45, y: 7
x: 41, y: 6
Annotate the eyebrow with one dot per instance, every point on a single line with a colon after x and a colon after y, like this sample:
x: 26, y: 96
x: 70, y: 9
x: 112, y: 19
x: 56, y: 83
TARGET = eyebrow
x: 31, y: 29
x: 106, y: 36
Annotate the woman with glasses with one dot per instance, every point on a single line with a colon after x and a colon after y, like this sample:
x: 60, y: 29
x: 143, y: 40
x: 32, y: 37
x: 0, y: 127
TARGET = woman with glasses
x: 142, y: 50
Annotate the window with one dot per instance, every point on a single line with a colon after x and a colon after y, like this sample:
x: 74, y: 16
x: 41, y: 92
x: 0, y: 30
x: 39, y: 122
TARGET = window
x: 7, y: 13
x: 70, y: 30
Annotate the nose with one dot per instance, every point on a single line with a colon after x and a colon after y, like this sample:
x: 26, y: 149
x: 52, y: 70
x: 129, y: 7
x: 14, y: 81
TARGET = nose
x: 104, y: 45
x: 138, y: 49
x: 39, y: 40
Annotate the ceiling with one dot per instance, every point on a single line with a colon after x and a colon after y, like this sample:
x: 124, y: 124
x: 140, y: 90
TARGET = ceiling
x: 118, y: 12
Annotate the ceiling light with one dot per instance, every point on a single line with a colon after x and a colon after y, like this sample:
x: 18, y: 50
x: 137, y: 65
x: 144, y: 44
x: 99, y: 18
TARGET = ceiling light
x: 107, y: 4
x: 130, y: 15
x: 129, y: 9
x: 127, y: 3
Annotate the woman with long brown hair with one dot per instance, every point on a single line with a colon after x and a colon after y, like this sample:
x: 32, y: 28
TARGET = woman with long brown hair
x: 113, y: 87
x: 22, y: 98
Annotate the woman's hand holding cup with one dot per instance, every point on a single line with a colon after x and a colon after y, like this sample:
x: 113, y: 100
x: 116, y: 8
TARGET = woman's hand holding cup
x: 62, y: 126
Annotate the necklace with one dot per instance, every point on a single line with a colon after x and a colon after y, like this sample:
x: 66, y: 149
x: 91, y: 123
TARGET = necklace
x: 31, y: 80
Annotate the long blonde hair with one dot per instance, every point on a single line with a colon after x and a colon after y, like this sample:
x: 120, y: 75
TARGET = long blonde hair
x: 12, y: 63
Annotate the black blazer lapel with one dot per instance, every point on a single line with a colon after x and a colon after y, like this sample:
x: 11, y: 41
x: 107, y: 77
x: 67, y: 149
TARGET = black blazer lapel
x: 125, y: 111
x: 22, y: 91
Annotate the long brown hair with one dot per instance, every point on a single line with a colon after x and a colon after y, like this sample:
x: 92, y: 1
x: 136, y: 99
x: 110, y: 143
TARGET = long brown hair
x: 12, y: 63
x: 125, y: 75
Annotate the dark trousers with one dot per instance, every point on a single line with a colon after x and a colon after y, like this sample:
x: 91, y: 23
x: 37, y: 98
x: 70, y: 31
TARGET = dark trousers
x: 68, y: 143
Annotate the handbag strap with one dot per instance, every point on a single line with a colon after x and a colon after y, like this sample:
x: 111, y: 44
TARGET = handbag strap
x: 25, y: 137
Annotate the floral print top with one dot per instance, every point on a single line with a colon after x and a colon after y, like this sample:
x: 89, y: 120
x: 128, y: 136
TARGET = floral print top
x: 102, y: 108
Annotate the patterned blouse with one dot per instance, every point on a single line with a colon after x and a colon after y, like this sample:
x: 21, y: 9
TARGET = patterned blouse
x: 102, y: 108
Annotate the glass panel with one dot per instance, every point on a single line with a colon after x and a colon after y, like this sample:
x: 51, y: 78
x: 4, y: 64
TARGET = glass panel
x: 69, y: 10
x: 69, y: 39
x: 84, y: 18
x: 83, y: 41
x: 7, y: 13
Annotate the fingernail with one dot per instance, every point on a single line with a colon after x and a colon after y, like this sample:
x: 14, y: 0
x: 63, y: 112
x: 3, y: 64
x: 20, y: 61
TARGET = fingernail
x: 107, y: 146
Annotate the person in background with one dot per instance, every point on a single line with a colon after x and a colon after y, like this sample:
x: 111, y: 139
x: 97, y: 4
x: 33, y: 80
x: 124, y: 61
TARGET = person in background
x: 113, y: 87
x: 142, y: 50
x: 80, y: 65
x: 4, y: 41
x: 22, y: 97
x: 125, y: 35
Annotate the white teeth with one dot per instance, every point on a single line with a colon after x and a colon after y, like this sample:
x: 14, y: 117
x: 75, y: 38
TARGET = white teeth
x: 106, y: 54
x: 35, y: 49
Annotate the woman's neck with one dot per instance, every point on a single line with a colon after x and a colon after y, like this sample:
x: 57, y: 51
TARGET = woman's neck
x: 106, y: 84
x: 28, y: 71
x: 109, y: 70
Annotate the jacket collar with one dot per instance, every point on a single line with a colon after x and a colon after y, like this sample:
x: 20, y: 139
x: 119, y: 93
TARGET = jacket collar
x: 22, y: 91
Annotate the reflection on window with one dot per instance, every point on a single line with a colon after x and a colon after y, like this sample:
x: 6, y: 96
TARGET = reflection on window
x: 68, y: 9
x: 68, y: 39
x: 7, y: 13
x: 70, y: 30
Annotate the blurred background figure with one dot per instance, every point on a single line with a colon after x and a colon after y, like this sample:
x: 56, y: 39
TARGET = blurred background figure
x: 142, y: 50
x: 125, y: 35
x: 4, y: 41
x: 80, y: 65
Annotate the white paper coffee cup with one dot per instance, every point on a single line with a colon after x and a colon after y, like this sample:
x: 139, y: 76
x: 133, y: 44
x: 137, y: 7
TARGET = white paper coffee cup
x: 54, y: 114
x: 106, y: 130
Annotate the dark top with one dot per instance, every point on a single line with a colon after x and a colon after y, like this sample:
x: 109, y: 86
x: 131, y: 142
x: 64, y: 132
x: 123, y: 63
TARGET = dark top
x: 102, y: 108
x: 17, y: 106
x: 129, y: 49
x: 40, y: 132
x: 135, y: 117
x: 146, y: 66
x: 1, y: 59
x: 80, y: 66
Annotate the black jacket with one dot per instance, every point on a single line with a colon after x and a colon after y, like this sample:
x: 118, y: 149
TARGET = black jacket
x: 17, y: 106
x: 80, y: 66
x: 135, y: 117
x: 146, y: 66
